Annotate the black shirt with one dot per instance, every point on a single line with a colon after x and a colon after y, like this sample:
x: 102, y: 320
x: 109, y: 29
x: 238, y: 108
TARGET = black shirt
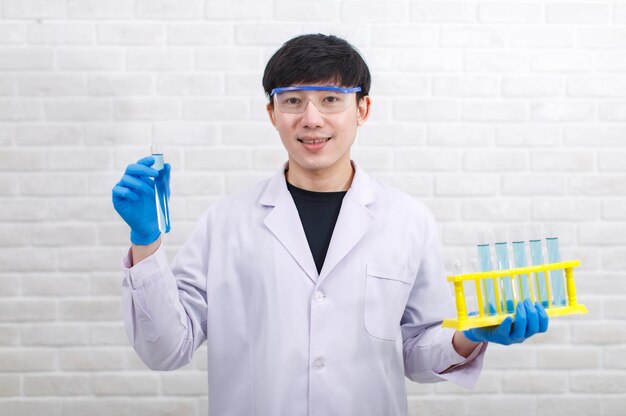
x: 318, y: 213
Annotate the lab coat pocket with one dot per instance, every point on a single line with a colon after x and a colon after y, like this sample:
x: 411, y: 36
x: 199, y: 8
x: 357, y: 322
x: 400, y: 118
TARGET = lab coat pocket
x: 387, y: 291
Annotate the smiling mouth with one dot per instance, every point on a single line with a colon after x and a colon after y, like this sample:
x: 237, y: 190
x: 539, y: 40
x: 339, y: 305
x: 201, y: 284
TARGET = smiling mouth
x: 313, y: 141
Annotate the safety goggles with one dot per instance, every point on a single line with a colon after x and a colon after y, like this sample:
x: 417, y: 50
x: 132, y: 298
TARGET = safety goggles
x: 326, y: 99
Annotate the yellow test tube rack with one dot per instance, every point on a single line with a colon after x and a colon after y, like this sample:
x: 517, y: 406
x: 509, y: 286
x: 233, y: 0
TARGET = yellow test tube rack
x: 481, y: 319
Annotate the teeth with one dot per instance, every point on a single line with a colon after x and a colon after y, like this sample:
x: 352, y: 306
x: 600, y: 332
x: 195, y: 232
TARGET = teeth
x: 309, y: 141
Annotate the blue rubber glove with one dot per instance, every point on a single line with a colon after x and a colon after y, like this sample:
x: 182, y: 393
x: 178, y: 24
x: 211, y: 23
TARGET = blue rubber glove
x: 134, y: 201
x: 528, y: 321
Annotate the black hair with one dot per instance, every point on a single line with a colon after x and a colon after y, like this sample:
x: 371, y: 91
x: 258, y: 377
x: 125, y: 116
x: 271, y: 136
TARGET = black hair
x: 308, y: 59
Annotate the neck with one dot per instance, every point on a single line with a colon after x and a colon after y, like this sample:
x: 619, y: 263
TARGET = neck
x: 337, y: 180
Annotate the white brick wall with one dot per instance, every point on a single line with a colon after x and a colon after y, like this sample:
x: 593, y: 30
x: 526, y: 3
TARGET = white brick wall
x: 491, y: 112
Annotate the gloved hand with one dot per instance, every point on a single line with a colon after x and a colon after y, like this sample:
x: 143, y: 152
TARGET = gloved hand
x: 133, y: 199
x: 528, y: 321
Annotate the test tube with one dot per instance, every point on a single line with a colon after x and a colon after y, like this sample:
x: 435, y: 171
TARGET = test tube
x: 469, y: 289
x: 536, y: 256
x: 161, y: 188
x: 484, y: 259
x: 502, y: 258
x: 519, y: 258
x: 556, y: 276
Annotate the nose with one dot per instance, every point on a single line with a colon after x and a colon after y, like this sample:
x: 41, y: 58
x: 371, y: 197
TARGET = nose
x: 311, y: 117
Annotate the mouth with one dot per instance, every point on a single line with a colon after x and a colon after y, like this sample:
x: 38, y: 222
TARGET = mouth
x: 314, y: 141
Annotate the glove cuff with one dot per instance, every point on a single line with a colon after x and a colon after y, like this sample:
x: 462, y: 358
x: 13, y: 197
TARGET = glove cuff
x: 143, y: 239
x: 468, y: 334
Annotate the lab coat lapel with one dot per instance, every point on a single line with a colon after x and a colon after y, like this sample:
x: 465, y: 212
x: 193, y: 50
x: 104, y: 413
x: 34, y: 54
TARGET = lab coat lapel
x: 354, y: 220
x: 284, y: 222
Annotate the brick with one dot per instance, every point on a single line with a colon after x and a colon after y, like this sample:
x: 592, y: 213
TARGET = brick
x: 373, y: 11
x: 613, y: 406
x: 16, y: 235
x: 535, y: 184
x: 614, y: 259
x: 606, y: 333
x: 57, y: 385
x: 612, y: 111
x: 534, y: 383
x: 442, y: 12
x: 267, y: 34
x: 187, y: 384
x: 404, y: 35
x: 472, y: 36
x: 156, y: 59
x: 577, y: 13
x: 126, y: 134
x: 532, y: 86
x: 22, y: 259
x: 615, y: 357
x: 200, y: 34
x: 399, y: 84
x: 103, y: 406
x: 242, y: 10
x: 9, y: 385
x: 52, y: 334
x: 612, y: 161
x: 125, y: 384
x: 570, y: 358
x: 564, y: 210
x: 493, y: 110
x: 99, y: 9
x: 19, y: 310
x: 425, y: 110
x: 495, y: 160
x: 86, y: 259
x: 8, y: 186
x: 49, y: 407
x: 523, y: 135
x: 78, y: 109
x: 21, y: 160
x: 443, y: 210
x: 90, y: 310
x: 466, y: 184
x: 271, y: 158
x: 410, y: 183
x: 595, y: 136
x: 52, y: 285
x: 518, y: 357
x: 242, y: 84
x: 215, y: 109
x: 169, y: 9
x: 190, y: 84
x: 467, y: 86
x: 108, y: 334
x: 614, y: 209
x: 562, y: 161
x: 494, y: 210
x: 408, y: 59
x: 573, y: 406
x: 597, y: 86
x: 27, y: 360
x: 107, y: 283
x: 186, y: 133
x: 31, y: 58
x: 7, y: 87
x: 462, y: 134
x: 557, y: 110
x: 146, y: 109
x: 597, y: 185
x: 60, y: 33
x: 228, y: 58
x: 306, y: 11
x: 51, y: 85
x: 90, y: 59
x: 426, y: 160
x: 17, y: 109
x: 561, y: 62
x: 53, y: 184
x: 602, y: 37
x: 218, y: 159
x: 12, y: 33
x: 33, y: 9
x: 509, y: 13
x: 120, y: 85
x: 609, y: 61
x: 78, y: 159
x: 130, y: 34
x: 541, y: 37
x: 64, y: 235
x: 90, y: 359
x: 605, y: 283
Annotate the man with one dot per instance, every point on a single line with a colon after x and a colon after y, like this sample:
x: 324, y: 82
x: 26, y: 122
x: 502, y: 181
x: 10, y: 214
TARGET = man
x: 316, y: 290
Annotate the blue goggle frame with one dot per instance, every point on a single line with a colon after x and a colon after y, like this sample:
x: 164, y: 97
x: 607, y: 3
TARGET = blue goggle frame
x: 315, y: 88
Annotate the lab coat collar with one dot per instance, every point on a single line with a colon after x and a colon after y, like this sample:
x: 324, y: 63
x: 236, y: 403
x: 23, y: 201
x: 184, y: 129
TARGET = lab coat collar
x: 353, y: 222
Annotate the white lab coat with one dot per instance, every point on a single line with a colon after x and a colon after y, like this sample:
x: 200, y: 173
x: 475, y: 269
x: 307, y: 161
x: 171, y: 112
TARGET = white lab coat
x: 283, y: 340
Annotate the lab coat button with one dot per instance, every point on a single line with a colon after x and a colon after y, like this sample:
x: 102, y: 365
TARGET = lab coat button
x: 319, y: 296
x: 319, y: 364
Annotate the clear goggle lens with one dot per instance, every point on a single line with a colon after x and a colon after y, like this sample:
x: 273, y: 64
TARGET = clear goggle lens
x: 326, y: 99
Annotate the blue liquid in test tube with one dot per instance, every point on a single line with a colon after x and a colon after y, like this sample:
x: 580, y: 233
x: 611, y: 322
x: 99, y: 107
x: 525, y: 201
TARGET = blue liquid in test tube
x: 536, y: 255
x: 519, y: 258
x: 502, y: 257
x: 556, y: 276
x: 484, y: 259
x: 162, y: 191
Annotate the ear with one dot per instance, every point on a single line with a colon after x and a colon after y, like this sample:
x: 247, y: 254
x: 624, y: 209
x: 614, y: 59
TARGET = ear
x: 270, y: 113
x: 363, y: 110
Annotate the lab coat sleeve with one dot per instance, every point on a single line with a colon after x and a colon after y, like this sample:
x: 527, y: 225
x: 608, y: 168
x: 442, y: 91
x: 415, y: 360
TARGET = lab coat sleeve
x: 429, y: 356
x: 165, y: 308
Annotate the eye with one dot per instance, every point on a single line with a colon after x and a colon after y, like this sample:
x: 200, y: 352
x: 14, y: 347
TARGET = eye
x: 332, y: 99
x: 291, y: 101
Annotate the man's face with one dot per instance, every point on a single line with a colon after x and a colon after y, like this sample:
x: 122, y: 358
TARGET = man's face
x: 319, y: 142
